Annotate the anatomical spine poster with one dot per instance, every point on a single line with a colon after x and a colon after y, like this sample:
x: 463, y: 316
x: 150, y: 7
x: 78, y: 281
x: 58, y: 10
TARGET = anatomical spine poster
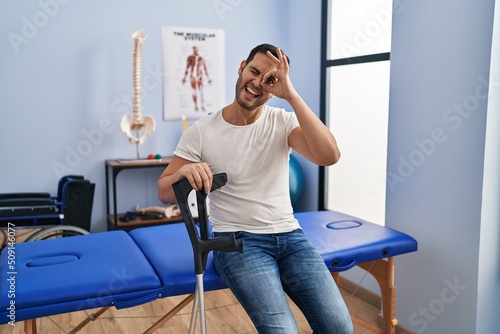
x: 194, y: 76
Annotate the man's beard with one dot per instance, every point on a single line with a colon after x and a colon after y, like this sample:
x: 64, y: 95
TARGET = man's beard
x: 241, y: 103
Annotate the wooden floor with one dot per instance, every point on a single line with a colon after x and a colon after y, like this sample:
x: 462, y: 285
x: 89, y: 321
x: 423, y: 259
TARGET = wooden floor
x: 224, y: 315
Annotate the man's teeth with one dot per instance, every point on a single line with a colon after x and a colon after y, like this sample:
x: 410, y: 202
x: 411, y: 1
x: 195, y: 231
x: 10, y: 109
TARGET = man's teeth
x: 252, y: 91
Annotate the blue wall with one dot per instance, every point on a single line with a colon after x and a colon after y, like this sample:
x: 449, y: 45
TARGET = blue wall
x: 67, y: 81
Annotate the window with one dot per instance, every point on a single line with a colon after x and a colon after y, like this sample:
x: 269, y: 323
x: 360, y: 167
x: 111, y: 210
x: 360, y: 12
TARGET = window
x: 356, y: 41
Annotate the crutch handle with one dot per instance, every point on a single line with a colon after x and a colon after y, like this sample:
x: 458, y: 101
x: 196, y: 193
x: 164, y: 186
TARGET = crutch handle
x: 203, y: 244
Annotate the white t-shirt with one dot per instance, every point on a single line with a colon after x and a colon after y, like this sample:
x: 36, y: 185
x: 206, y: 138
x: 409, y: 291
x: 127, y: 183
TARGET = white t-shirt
x: 255, y: 157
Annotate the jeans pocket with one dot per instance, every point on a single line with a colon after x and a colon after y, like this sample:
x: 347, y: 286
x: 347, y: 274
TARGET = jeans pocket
x: 222, y: 234
x: 237, y: 235
x: 240, y: 234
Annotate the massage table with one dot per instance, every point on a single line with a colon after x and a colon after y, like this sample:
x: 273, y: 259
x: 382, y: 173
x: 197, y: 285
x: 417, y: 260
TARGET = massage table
x: 121, y: 269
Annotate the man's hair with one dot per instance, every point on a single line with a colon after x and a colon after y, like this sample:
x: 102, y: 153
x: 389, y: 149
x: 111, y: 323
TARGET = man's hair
x: 263, y: 48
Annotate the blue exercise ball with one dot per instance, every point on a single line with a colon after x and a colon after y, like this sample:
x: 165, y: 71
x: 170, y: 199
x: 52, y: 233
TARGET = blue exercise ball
x: 296, y: 180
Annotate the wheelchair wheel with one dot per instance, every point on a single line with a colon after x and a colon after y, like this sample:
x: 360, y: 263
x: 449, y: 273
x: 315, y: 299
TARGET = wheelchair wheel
x: 57, y: 232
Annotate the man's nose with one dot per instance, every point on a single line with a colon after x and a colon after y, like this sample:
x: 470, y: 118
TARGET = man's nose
x: 258, y: 80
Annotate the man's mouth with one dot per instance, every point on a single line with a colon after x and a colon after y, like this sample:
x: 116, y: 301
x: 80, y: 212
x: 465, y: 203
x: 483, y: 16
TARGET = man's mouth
x: 251, y: 91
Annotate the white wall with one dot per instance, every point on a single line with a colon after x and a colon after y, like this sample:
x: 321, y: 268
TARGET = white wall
x: 440, y: 68
x: 489, y: 250
x: 67, y: 76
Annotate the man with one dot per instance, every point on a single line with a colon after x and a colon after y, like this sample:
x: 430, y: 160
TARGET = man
x: 251, y: 142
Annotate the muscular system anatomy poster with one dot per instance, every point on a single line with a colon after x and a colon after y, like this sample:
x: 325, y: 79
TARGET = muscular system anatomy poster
x: 193, y: 67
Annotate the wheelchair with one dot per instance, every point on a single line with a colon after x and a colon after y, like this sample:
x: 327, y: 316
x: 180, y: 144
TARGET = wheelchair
x: 68, y: 213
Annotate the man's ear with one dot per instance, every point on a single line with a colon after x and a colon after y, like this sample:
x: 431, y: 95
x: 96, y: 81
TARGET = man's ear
x: 242, y: 66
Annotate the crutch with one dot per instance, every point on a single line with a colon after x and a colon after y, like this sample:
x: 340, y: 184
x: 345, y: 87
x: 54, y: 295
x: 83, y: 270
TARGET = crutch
x: 202, y: 243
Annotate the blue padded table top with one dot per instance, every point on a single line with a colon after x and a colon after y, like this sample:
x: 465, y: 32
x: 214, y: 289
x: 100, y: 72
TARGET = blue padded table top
x: 75, y: 273
x: 169, y: 249
x: 344, y: 241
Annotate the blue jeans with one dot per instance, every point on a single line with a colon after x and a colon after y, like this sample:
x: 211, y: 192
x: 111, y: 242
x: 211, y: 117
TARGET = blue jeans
x: 275, y: 263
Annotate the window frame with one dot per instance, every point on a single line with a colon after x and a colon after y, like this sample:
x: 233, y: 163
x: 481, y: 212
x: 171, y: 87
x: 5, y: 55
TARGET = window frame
x: 327, y: 63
